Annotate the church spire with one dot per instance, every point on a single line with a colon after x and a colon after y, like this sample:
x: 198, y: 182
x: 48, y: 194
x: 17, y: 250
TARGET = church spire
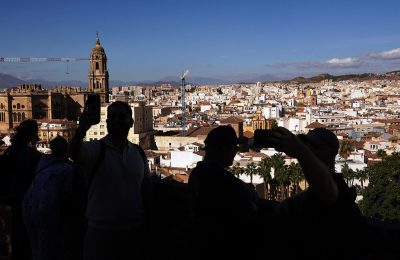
x: 98, y: 73
x: 97, y: 38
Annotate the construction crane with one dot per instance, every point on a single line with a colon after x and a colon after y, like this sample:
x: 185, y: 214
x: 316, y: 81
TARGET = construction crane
x: 30, y: 59
x: 183, y: 78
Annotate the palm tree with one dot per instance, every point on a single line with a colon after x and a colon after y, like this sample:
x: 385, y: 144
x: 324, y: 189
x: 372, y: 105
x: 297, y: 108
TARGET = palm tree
x: 281, y: 173
x: 362, y: 176
x: 237, y: 170
x: 345, y: 149
x: 296, y: 176
x: 348, y: 174
x: 251, y: 170
x: 265, y: 172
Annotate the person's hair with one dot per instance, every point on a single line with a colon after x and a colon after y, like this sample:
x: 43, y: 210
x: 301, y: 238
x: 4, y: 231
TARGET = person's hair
x: 59, y: 146
x: 25, y: 132
x: 222, y: 136
x: 126, y: 106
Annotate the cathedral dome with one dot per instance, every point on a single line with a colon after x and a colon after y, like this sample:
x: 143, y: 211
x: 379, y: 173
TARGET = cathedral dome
x: 98, y: 50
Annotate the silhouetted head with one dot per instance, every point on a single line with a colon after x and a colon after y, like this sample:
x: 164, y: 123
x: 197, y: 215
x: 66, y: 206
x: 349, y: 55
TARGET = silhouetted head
x: 221, y: 145
x: 324, y: 144
x: 119, y: 119
x: 26, y: 133
x: 59, y: 147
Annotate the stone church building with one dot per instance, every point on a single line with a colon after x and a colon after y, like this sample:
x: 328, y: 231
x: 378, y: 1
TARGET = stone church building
x: 32, y: 101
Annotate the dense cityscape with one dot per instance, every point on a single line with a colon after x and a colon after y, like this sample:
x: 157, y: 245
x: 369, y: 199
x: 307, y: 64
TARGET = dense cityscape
x: 361, y: 112
x: 171, y: 123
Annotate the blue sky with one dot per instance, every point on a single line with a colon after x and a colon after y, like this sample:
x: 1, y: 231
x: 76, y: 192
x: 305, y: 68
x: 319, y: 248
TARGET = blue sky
x: 237, y: 39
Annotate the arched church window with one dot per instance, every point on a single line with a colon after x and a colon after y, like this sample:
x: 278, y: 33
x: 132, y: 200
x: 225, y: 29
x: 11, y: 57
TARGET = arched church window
x: 97, y: 65
x: 23, y: 116
x: 18, y: 105
x: 15, y: 117
x: 19, y: 117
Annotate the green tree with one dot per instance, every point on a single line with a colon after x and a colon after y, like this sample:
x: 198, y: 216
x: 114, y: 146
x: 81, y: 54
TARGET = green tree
x: 265, y: 172
x: 381, y: 199
x: 296, y: 176
x: 274, y: 124
x: 345, y: 149
x: 236, y: 170
x: 348, y: 174
x: 281, y: 174
x: 362, y: 176
x: 381, y: 153
x: 251, y: 170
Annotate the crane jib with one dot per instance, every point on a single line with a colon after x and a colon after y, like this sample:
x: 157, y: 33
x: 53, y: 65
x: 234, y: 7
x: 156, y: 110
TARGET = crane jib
x: 28, y: 59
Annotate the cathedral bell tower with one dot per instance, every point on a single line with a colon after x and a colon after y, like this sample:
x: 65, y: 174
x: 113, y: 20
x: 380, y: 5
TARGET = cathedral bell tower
x: 98, y: 73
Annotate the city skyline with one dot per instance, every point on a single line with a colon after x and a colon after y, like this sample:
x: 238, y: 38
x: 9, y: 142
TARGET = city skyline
x: 154, y: 40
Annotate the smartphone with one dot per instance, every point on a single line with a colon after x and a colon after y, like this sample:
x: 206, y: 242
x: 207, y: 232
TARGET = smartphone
x: 92, y: 108
x: 261, y: 138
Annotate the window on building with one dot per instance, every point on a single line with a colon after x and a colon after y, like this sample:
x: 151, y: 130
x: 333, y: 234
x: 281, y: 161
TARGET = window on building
x: 97, y: 66
x: 102, y: 133
x: 101, y: 126
x: 18, y: 105
x: 22, y: 106
x: 94, y: 133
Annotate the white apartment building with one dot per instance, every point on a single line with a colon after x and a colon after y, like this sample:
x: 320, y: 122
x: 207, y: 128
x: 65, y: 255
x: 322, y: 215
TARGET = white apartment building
x: 143, y: 122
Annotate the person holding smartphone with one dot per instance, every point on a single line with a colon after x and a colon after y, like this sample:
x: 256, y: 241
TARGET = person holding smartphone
x: 117, y: 190
x: 326, y: 213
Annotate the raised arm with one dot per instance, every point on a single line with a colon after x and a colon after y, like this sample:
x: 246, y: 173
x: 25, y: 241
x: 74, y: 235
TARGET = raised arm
x: 75, y: 144
x: 315, y: 171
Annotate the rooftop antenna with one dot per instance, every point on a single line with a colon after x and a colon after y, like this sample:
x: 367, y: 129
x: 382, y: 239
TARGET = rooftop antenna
x: 183, y: 79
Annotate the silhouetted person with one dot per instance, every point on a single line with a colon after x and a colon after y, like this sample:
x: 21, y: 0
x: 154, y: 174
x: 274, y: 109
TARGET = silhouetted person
x: 24, y: 159
x: 117, y: 195
x: 47, y: 202
x: 225, y: 208
x: 322, y: 222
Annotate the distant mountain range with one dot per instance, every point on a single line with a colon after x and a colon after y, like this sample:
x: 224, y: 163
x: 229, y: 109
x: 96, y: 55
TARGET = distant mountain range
x: 355, y: 77
x: 7, y: 81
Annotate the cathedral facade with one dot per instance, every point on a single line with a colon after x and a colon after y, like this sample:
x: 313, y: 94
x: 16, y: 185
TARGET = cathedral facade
x: 32, y: 101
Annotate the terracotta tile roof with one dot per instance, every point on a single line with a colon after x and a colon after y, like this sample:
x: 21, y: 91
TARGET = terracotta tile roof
x: 359, y: 145
x: 387, y: 120
x: 199, y: 131
x: 151, y: 154
x: 315, y: 125
x: 201, y: 153
x: 181, y: 178
x: 232, y: 120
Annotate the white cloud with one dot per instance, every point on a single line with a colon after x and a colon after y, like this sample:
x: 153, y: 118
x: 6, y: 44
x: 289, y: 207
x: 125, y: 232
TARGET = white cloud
x: 387, y: 55
x: 346, y: 62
